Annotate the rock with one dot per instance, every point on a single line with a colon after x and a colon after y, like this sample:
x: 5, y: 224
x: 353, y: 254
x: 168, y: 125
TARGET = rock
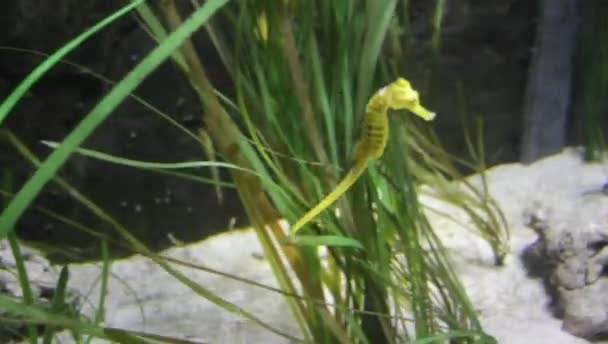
x: 549, y: 81
x: 574, y: 246
x: 586, y: 309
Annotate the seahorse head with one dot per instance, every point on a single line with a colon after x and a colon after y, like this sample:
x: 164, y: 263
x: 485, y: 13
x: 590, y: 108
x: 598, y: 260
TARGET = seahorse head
x: 400, y: 95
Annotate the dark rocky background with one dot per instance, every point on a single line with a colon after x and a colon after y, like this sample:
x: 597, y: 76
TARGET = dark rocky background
x: 150, y: 204
x: 486, y: 47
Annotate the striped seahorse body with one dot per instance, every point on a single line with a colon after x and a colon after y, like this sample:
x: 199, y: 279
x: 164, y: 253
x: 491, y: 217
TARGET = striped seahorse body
x: 375, y: 129
x: 374, y: 137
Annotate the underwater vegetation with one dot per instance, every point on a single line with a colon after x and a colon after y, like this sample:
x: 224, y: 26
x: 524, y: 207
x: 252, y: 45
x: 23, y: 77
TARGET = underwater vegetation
x: 301, y: 132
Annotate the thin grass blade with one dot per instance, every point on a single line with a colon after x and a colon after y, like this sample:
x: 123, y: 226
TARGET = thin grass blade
x: 10, y: 102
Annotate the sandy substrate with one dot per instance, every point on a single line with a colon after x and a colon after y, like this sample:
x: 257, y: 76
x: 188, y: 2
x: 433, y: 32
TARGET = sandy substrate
x: 513, y: 306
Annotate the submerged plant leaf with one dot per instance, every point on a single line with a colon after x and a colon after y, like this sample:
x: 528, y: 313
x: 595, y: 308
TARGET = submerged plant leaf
x: 326, y: 240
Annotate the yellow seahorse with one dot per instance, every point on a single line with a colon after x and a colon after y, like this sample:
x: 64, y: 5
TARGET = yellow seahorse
x: 398, y: 95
